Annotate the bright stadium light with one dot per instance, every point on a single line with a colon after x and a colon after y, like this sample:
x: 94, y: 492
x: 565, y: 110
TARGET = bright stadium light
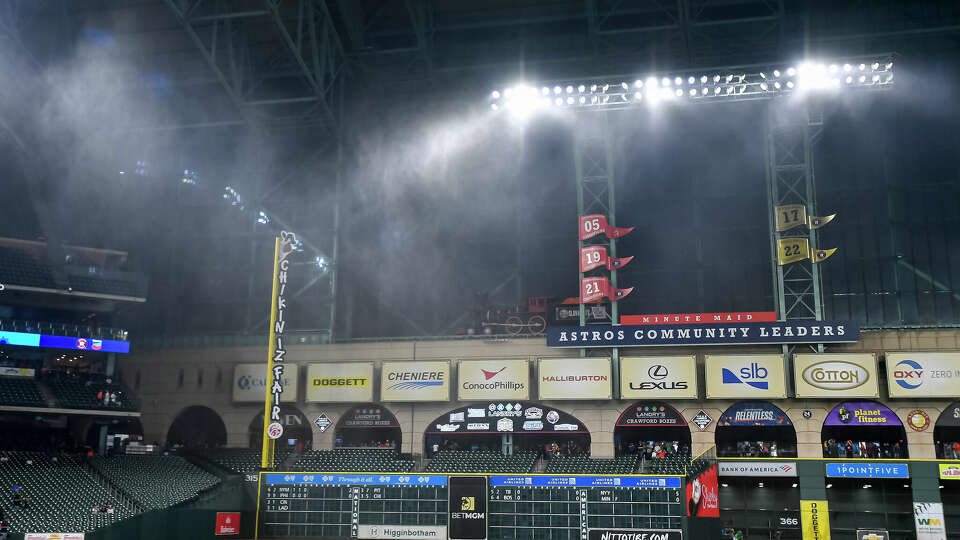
x: 761, y: 82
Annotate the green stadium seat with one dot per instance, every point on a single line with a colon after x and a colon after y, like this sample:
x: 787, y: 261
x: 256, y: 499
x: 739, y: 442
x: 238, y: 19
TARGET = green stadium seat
x: 156, y: 481
x: 20, y: 391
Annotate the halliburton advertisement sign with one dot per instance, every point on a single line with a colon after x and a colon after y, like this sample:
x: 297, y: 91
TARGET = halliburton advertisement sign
x: 493, y: 379
x: 574, y: 378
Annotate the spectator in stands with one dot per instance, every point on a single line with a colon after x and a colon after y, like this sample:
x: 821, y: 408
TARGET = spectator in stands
x: 17, y: 498
x: 4, y: 527
x: 956, y: 450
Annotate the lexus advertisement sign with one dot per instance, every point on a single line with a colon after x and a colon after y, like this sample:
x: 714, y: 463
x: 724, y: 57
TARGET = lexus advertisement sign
x: 673, y: 377
x: 468, y: 507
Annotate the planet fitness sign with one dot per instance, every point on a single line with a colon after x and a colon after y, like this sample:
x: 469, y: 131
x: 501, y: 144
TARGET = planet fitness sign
x: 862, y: 413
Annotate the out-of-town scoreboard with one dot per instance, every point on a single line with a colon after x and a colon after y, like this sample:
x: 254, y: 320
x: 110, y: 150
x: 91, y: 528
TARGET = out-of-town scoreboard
x: 468, y: 507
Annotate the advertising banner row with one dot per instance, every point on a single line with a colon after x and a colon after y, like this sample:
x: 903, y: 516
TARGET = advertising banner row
x: 747, y: 376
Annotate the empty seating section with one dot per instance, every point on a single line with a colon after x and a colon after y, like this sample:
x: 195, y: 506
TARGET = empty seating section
x: 18, y: 267
x: 62, y: 494
x: 585, y: 465
x: 242, y: 460
x: 105, y: 286
x: 76, y: 394
x: 481, y: 461
x: 671, y: 464
x: 156, y: 481
x: 353, y: 460
x: 20, y: 391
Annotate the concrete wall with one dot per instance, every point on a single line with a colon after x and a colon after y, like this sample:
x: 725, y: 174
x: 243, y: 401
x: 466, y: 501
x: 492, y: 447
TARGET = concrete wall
x: 163, y: 398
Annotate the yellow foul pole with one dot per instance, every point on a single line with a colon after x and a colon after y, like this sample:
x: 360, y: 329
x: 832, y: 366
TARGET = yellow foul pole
x: 266, y: 456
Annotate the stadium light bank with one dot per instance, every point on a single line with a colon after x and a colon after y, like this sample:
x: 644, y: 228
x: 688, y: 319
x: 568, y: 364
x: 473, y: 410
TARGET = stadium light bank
x: 693, y: 86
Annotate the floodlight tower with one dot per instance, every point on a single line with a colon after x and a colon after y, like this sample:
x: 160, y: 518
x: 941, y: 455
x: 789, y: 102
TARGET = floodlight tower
x: 790, y: 136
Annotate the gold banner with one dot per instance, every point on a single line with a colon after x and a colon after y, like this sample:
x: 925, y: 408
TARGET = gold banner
x: 791, y: 250
x: 790, y: 216
x: 815, y: 519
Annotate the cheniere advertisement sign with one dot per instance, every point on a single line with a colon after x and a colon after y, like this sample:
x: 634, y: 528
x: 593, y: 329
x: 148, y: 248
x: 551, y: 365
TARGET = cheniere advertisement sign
x: 753, y: 333
x: 745, y: 376
x: 493, y: 379
x: 340, y: 382
x: 415, y: 381
x: 923, y: 375
x: 574, y: 378
x: 658, y: 377
x: 250, y: 383
x: 836, y: 375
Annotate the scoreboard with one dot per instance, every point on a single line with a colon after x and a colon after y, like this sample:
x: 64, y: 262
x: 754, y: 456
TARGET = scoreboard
x: 494, y: 507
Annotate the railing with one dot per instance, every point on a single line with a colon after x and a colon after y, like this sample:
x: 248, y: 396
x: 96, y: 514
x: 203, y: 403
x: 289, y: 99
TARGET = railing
x: 61, y: 329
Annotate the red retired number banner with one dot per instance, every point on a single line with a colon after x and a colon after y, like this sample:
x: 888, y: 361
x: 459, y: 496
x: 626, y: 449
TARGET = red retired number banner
x: 594, y: 289
x: 596, y: 256
x: 594, y: 224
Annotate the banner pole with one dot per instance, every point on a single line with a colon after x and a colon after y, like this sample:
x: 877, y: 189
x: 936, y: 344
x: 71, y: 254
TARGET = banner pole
x: 266, y: 455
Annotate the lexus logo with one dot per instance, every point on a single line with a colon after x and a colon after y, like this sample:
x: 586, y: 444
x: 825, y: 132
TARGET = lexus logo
x: 657, y: 372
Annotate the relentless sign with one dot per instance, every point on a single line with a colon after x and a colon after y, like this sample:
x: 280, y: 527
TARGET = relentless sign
x: 923, y: 375
x: 574, y: 378
x: 928, y: 519
x: 340, y: 382
x: 250, y: 383
x: 867, y: 470
x: 754, y: 413
x: 757, y: 468
x: 468, y: 507
x: 753, y: 333
x: 659, y: 377
x: 415, y: 381
x: 745, y: 376
x: 815, y: 519
x: 634, y: 534
x: 836, y: 375
x: 650, y: 413
x: 493, y: 379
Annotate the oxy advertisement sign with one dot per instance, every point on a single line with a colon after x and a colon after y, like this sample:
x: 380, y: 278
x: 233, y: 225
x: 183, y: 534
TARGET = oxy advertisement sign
x: 468, y: 507
x: 334, y: 383
x: 745, y: 376
x: 928, y: 519
x: 923, y: 375
x: 758, y: 468
x: 836, y: 375
x: 493, y: 379
x: 250, y: 383
x: 415, y: 381
x: 658, y: 377
x: 815, y: 520
x: 852, y: 469
x: 574, y: 378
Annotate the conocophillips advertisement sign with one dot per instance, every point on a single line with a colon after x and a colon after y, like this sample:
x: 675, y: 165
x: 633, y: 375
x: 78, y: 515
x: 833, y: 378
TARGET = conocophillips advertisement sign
x: 574, y: 378
x: 836, y: 375
x: 345, y: 382
x: 250, y: 383
x: 415, y: 381
x: 924, y: 375
x: 658, y: 377
x: 493, y: 379
x: 745, y: 376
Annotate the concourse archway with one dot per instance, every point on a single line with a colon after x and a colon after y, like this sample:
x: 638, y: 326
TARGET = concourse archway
x: 946, y: 432
x: 197, y: 427
x: 863, y: 429
x: 368, y: 425
x: 508, y: 428
x: 755, y: 429
x: 297, y: 434
x: 646, y: 426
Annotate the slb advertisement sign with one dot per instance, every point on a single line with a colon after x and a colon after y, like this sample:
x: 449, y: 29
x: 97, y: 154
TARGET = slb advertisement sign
x: 493, y: 379
x: 250, y: 383
x: 836, y: 375
x: 923, y: 375
x: 574, y: 378
x: 468, y: 507
x: 415, y: 381
x: 745, y: 376
x: 342, y: 382
x: 658, y: 377
x: 815, y: 519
